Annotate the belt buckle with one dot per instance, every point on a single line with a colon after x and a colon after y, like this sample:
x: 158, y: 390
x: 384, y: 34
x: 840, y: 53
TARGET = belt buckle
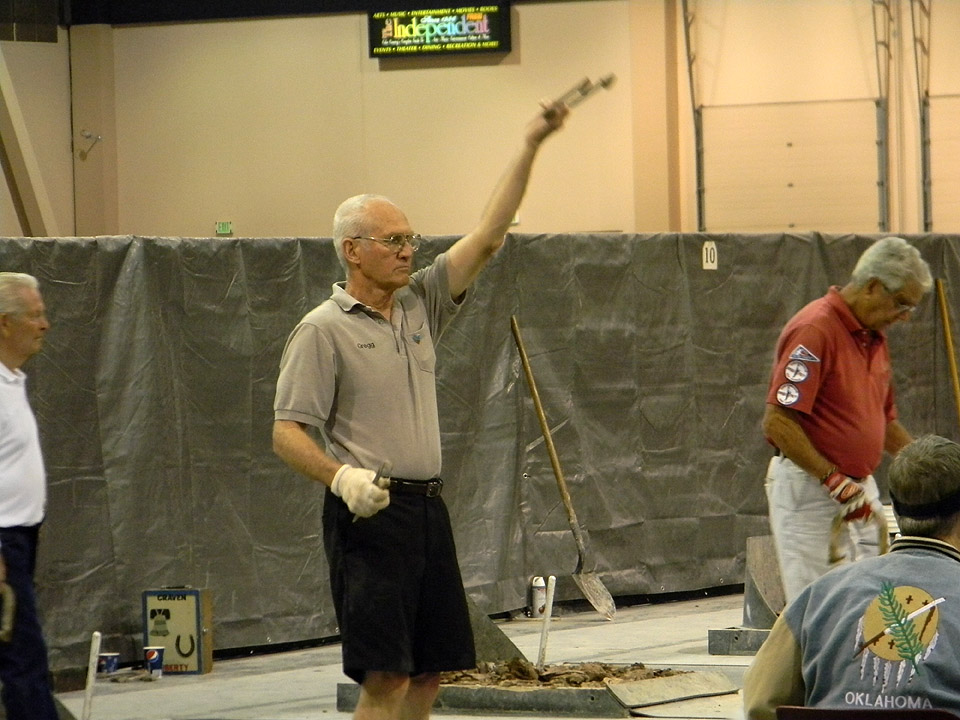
x: 434, y: 487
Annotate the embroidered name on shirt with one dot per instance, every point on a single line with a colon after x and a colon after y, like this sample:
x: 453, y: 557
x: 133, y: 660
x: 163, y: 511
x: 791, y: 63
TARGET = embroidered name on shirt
x: 887, y: 702
x: 366, y: 346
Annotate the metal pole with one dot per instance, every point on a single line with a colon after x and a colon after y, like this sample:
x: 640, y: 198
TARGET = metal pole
x: 697, y: 119
x: 882, y: 21
x: 883, y: 167
x: 920, y: 21
x: 926, y: 176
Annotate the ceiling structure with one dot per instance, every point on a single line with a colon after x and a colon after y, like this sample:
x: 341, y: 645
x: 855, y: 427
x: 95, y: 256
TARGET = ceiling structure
x: 122, y: 12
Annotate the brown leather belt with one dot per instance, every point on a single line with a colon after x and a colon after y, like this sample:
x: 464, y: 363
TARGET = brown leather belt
x: 429, y: 488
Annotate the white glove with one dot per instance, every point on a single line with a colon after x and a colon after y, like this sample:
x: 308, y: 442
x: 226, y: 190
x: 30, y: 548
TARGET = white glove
x: 356, y: 487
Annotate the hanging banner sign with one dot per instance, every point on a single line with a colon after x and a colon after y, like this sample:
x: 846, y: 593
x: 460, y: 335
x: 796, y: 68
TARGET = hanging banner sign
x: 440, y: 31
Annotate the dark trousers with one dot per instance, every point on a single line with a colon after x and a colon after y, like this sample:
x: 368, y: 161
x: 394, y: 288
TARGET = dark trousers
x: 24, y: 670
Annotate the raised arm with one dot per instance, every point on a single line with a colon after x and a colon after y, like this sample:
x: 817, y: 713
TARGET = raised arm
x: 470, y: 254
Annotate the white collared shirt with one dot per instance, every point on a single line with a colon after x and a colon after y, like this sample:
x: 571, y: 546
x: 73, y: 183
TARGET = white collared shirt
x: 23, y: 486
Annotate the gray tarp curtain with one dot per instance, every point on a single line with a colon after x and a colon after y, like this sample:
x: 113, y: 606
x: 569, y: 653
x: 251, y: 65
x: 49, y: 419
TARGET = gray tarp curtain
x: 154, y: 399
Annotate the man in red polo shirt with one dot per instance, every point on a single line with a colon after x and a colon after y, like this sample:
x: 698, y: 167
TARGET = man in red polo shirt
x: 831, y: 413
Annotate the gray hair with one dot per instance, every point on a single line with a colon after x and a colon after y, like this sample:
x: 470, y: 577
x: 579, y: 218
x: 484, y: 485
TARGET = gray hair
x: 926, y: 473
x: 894, y: 262
x: 350, y: 221
x: 11, y: 296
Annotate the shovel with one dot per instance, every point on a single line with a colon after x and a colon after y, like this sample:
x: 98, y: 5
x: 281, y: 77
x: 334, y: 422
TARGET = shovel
x: 590, y: 585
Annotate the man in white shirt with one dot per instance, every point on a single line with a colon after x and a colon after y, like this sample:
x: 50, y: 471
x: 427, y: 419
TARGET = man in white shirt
x: 24, y: 670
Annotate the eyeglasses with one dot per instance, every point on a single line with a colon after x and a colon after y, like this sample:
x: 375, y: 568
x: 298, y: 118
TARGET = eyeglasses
x: 901, y: 307
x: 395, y: 242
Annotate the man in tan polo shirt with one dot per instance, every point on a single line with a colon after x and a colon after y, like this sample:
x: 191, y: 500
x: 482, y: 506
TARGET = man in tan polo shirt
x: 360, y: 369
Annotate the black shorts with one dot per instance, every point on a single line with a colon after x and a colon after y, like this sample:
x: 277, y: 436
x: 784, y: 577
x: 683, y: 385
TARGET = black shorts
x: 397, y: 589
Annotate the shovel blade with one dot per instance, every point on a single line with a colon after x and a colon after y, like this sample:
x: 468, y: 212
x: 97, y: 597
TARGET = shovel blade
x: 594, y: 590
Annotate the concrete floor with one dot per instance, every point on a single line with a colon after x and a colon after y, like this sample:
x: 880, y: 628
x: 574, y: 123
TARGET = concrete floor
x: 302, y: 684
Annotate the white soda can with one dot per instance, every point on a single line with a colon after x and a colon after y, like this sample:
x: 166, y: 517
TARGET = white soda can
x: 538, y: 597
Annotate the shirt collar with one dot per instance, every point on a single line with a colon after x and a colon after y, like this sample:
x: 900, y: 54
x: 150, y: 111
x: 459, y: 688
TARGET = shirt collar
x: 344, y: 299
x: 849, y: 320
x: 13, y: 377
x: 907, y: 542
x: 348, y: 303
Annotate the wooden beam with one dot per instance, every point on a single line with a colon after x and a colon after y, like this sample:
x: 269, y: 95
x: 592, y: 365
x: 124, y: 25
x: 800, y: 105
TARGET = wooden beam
x: 20, y: 166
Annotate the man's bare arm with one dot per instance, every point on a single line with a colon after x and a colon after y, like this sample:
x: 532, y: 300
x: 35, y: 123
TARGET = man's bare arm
x: 896, y: 437
x: 783, y: 429
x: 298, y: 450
x: 470, y: 254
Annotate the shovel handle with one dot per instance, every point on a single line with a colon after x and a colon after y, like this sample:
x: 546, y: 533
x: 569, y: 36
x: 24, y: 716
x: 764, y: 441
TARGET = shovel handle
x: 948, y: 339
x: 547, y: 438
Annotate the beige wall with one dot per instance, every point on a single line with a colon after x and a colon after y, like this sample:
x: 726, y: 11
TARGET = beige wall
x: 270, y: 123
x: 784, y: 51
x: 94, y: 110
x: 945, y: 114
x: 799, y: 77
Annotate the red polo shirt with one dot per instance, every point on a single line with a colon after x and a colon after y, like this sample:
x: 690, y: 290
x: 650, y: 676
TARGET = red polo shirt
x: 836, y: 374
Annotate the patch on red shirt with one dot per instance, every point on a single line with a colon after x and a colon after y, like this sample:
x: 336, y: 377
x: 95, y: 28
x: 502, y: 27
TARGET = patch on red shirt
x: 788, y: 394
x: 801, y: 353
x: 796, y: 371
